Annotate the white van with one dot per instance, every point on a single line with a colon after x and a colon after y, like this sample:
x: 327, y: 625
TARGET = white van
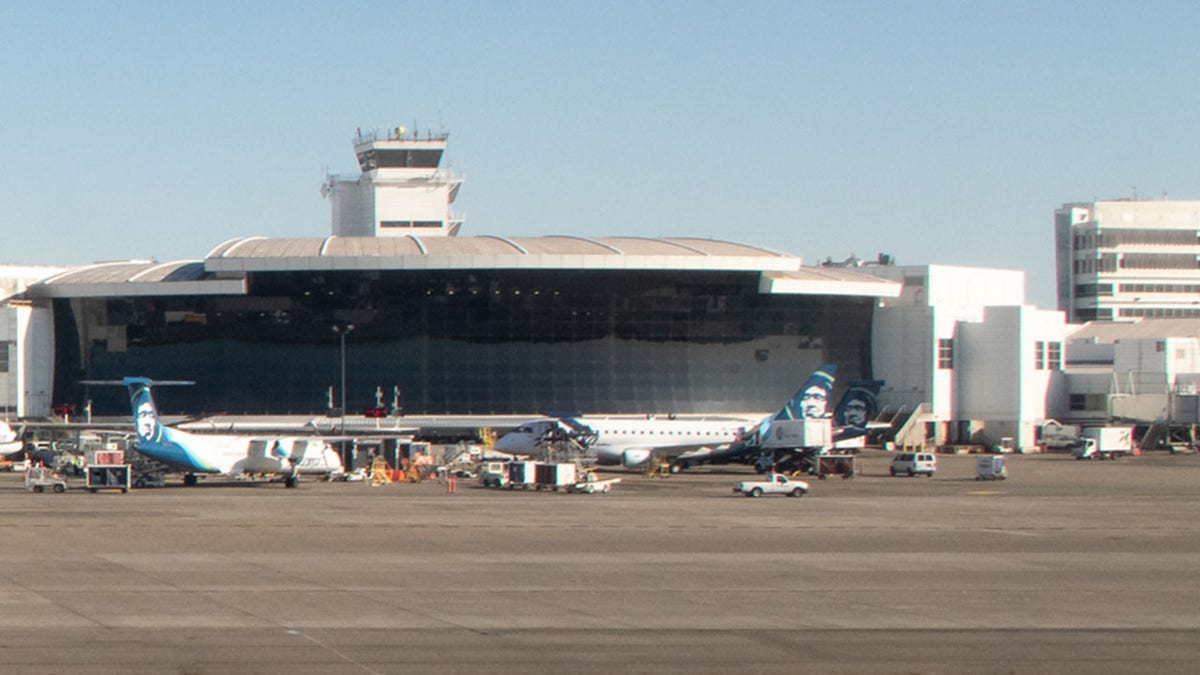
x: 913, y: 463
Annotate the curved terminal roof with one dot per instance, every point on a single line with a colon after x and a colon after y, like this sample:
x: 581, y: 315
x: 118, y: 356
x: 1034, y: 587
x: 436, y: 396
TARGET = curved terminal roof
x: 257, y: 254
x: 136, y: 277
x: 224, y: 270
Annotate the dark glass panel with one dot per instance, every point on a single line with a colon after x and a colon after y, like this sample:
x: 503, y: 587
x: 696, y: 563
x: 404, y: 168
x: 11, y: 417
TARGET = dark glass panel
x: 457, y: 342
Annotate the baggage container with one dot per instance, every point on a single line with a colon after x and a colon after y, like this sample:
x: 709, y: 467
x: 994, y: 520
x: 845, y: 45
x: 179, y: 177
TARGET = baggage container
x: 522, y: 474
x: 555, y: 476
x: 108, y: 477
x: 990, y: 467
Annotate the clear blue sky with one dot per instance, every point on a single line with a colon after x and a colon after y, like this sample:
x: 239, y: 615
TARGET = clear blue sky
x: 940, y: 132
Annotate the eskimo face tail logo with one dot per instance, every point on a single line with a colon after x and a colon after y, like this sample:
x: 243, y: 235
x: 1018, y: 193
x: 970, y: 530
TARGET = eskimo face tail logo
x: 859, y: 404
x: 145, y: 415
x: 812, y: 400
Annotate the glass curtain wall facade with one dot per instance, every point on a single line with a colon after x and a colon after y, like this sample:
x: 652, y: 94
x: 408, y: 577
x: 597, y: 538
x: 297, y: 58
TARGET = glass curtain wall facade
x: 466, y: 342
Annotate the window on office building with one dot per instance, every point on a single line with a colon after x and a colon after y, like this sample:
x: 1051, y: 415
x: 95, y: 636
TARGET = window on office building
x: 1054, y: 356
x: 4, y: 348
x: 945, y: 354
x: 1039, y: 355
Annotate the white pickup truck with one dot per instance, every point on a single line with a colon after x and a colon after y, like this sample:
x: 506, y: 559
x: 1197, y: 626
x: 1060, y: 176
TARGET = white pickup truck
x: 772, y: 484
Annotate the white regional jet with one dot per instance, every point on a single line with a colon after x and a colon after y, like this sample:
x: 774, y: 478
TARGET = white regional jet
x: 633, y: 441
x: 229, y: 455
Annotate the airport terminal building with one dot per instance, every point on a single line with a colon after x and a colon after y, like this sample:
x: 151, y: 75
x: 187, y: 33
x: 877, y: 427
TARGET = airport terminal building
x: 436, y: 323
x: 412, y: 317
x: 463, y: 325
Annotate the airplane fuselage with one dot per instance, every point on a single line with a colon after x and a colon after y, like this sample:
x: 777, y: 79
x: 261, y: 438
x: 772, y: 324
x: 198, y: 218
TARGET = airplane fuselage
x: 633, y: 441
x: 227, y: 454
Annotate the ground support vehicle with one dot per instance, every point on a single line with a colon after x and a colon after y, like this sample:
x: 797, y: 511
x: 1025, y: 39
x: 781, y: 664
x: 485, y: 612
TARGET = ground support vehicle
x: 149, y: 479
x: 591, y: 484
x: 990, y: 467
x: 108, y: 477
x: 836, y: 465
x: 493, y: 474
x: 40, y: 478
x: 1104, y: 443
x: 772, y: 484
x: 913, y: 463
x: 15, y: 466
x: 143, y: 471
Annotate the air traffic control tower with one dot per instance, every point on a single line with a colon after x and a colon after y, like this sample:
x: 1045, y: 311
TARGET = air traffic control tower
x: 402, y: 189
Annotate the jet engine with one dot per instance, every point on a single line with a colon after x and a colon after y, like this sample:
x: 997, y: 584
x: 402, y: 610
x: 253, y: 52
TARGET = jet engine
x: 636, y: 458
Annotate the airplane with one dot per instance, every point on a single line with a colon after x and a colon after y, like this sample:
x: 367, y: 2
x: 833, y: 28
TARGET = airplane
x: 632, y: 442
x: 849, y: 423
x: 10, y: 442
x: 226, y: 454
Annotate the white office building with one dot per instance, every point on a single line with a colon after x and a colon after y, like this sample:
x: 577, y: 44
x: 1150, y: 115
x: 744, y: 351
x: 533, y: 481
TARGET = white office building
x: 962, y: 349
x: 26, y: 337
x: 1126, y: 259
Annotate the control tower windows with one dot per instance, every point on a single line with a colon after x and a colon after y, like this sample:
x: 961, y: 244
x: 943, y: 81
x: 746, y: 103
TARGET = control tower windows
x: 410, y: 223
x: 387, y: 158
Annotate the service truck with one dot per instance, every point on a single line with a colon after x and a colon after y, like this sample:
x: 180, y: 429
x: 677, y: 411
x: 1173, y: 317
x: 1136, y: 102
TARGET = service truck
x: 772, y: 484
x: 1104, y: 443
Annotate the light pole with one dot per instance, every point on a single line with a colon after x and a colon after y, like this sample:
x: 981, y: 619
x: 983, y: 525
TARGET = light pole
x: 343, y: 330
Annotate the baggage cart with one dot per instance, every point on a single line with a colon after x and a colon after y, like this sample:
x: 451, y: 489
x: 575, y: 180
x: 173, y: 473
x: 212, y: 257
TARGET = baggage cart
x: 835, y: 465
x: 108, y: 477
x: 990, y: 467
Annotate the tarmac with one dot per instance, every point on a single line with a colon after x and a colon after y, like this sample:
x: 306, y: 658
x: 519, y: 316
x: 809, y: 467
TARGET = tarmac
x: 1066, y: 566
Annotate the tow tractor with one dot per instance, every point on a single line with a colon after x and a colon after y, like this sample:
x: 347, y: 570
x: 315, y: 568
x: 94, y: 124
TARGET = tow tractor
x: 592, y: 484
x: 38, y: 478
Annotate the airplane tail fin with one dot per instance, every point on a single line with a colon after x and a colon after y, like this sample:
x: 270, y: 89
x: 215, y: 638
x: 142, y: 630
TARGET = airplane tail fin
x: 812, y: 398
x: 857, y: 408
x: 145, y: 413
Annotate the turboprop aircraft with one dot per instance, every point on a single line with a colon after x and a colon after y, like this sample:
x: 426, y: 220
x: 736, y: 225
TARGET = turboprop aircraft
x: 229, y: 455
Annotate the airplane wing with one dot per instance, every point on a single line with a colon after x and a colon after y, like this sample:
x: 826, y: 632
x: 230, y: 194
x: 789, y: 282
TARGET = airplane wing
x: 685, y: 454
